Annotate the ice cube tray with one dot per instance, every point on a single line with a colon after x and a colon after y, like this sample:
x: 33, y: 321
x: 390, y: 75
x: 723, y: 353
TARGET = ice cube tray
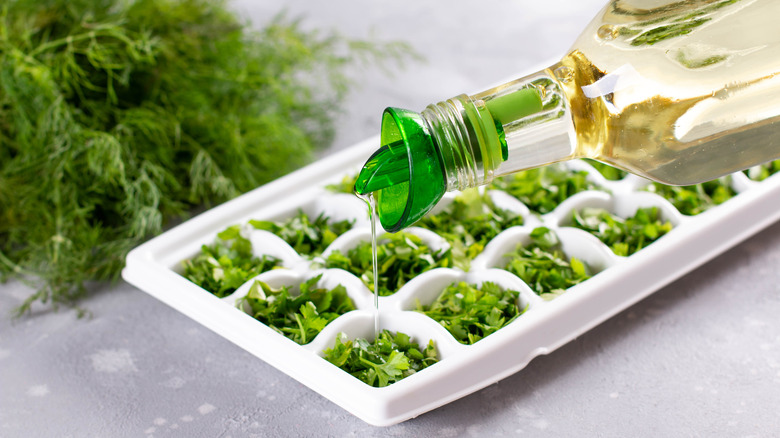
x: 621, y: 281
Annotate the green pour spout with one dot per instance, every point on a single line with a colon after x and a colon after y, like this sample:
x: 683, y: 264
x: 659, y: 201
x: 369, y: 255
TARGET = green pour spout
x: 405, y: 174
x: 408, y: 175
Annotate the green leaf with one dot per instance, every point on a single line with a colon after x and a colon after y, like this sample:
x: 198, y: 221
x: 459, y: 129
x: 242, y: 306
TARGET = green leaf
x: 608, y: 172
x: 300, y: 317
x: 229, y: 262
x: 471, y: 312
x: 308, y: 237
x: 400, y: 257
x: 544, y: 267
x: 468, y: 224
x: 695, y: 199
x: 119, y: 118
x: 347, y: 185
x: 388, y: 359
x: 623, y: 236
x: 544, y: 188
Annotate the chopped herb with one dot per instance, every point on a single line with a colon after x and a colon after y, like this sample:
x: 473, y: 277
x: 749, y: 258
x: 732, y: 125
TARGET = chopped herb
x: 300, y: 317
x: 470, y: 312
x: 307, y: 237
x: 608, y: 172
x: 390, y: 358
x: 763, y: 171
x: 400, y: 257
x: 543, y: 265
x: 695, y: 199
x: 623, y: 236
x: 223, y: 266
x: 469, y: 223
x: 347, y: 185
x: 544, y: 188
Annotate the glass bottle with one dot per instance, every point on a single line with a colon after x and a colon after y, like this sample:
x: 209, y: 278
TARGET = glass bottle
x: 679, y: 92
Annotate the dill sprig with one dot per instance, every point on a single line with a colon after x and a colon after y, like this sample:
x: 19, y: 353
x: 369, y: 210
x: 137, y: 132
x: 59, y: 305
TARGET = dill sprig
x: 116, y: 116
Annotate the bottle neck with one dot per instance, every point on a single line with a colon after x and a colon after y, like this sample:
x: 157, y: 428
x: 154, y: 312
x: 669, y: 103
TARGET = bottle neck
x: 519, y: 125
x: 456, y: 135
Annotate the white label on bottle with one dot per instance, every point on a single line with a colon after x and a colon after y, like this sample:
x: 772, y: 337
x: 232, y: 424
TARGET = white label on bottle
x: 623, y: 77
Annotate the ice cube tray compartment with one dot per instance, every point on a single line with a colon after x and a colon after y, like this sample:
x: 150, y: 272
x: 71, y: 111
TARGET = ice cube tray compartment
x: 462, y: 369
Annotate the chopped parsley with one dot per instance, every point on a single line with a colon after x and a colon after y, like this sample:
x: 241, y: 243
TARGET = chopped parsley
x: 543, y: 265
x: 223, y: 266
x: 623, y: 236
x: 390, y: 358
x: 544, y: 188
x: 471, y: 312
x: 608, y: 172
x: 695, y: 199
x: 347, y: 185
x: 400, y: 257
x: 763, y: 171
x: 300, y: 317
x: 307, y: 237
x: 469, y: 223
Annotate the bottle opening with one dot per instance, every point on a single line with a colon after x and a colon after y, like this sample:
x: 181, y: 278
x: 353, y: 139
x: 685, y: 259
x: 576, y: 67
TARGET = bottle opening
x: 405, y: 174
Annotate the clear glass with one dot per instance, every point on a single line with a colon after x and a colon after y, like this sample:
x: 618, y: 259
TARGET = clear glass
x: 679, y: 92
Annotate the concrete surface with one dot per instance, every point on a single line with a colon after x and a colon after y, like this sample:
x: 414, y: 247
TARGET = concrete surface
x: 701, y: 357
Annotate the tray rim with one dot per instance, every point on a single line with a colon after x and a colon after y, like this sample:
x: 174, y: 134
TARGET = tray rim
x: 504, y: 353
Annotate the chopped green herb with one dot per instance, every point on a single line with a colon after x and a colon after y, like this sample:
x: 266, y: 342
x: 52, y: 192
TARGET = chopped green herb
x: 469, y: 223
x: 390, y: 358
x: 623, y: 236
x: 695, y: 199
x: 347, y: 185
x: 544, y: 188
x: 307, y: 237
x: 300, y: 317
x: 608, y: 172
x: 470, y: 312
x: 544, y: 266
x: 223, y: 266
x: 400, y: 257
x: 763, y: 171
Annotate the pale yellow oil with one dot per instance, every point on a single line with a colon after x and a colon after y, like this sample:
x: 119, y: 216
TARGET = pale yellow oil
x: 680, y: 92
x: 694, y: 91
x: 370, y: 200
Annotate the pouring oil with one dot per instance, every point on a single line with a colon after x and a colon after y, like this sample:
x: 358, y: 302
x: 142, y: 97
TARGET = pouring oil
x: 371, y: 202
x: 677, y: 91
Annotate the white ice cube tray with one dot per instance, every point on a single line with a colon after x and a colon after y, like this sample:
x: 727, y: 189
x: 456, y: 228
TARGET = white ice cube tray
x: 155, y: 267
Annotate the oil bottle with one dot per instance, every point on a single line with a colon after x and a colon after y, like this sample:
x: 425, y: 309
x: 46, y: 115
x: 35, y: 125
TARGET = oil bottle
x: 679, y: 92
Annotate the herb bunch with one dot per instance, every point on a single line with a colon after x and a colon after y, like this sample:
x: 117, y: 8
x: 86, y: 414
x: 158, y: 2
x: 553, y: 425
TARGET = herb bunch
x: 543, y: 265
x: 470, y: 312
x: 302, y: 317
x: 307, y: 237
x: 119, y: 115
x: 226, y: 264
x: 400, y: 257
x: 388, y: 359
x: 623, y: 236
x: 469, y: 223
x: 543, y: 188
x: 695, y: 199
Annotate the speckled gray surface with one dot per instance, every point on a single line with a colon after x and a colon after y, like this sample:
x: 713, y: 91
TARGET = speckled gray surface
x: 701, y: 357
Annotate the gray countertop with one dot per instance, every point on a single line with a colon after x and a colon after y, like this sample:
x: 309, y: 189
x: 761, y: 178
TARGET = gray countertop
x: 700, y: 357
